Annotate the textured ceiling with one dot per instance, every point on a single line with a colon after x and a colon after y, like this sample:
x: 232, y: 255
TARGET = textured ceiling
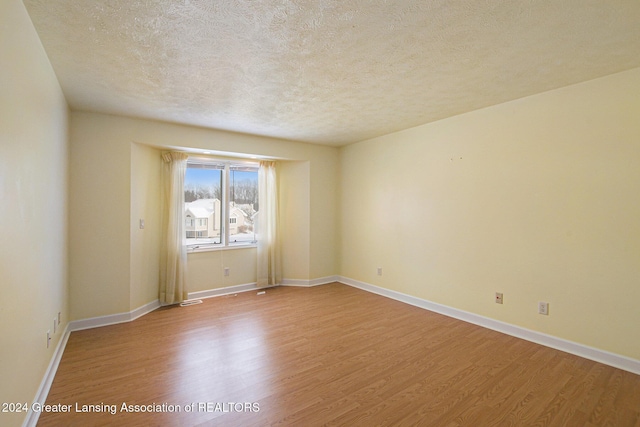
x: 326, y: 71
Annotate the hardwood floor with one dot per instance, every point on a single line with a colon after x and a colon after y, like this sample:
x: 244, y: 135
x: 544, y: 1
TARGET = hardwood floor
x: 328, y: 355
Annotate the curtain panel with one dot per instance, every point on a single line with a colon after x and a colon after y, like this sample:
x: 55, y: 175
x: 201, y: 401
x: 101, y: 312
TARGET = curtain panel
x: 173, y: 261
x: 268, y: 263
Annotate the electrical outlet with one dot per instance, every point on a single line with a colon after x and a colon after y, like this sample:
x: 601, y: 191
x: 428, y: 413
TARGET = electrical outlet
x: 379, y: 271
x: 498, y: 297
x: 543, y: 308
x: 48, y: 338
x: 141, y: 224
x: 58, y: 318
x: 226, y: 271
x: 55, y: 325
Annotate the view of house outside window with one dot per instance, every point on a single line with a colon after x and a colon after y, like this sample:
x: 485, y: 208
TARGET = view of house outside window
x: 207, y: 211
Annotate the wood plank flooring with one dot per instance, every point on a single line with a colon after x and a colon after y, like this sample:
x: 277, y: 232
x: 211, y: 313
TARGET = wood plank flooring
x: 328, y: 355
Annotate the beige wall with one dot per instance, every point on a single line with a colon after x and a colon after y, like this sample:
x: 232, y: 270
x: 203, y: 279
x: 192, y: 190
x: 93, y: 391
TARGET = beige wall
x: 206, y: 269
x: 145, y: 242
x: 99, y: 218
x: 294, y: 210
x: 112, y: 262
x: 324, y: 199
x: 536, y: 198
x: 33, y: 208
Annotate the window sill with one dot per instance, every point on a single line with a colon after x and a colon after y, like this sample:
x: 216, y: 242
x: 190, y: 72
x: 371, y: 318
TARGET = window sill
x: 220, y: 248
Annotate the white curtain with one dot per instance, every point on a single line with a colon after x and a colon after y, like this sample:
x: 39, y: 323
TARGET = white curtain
x: 269, y: 270
x: 173, y: 262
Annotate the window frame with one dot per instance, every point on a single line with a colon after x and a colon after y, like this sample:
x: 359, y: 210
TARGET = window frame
x: 225, y: 203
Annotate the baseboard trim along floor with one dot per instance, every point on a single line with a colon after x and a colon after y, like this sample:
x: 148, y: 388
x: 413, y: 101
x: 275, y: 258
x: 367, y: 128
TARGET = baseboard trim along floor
x: 597, y: 355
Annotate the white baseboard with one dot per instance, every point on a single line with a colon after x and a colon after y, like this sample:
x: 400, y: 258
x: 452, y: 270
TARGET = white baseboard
x: 602, y: 356
x: 223, y: 291
x: 113, y: 319
x: 304, y: 283
x: 45, y: 385
x: 78, y: 325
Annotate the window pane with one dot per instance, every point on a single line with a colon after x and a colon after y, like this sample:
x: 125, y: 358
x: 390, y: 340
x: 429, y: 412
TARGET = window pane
x: 243, y: 204
x: 202, y: 196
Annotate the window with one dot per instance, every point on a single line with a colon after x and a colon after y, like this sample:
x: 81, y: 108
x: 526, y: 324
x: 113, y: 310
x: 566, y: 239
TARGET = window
x: 218, y: 193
